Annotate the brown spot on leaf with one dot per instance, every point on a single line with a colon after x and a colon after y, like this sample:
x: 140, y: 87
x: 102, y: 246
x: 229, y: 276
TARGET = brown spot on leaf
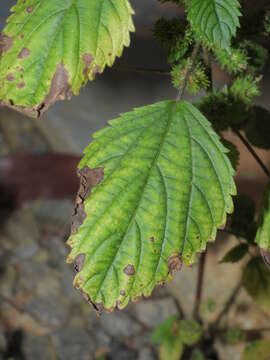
x: 88, y: 179
x: 266, y: 257
x: 174, y: 263
x: 60, y: 88
x: 24, y: 53
x: 21, y: 85
x: 122, y: 292
x: 79, y: 262
x: 96, y: 70
x: 6, y: 43
x: 10, y: 77
x: 152, y: 239
x: 129, y: 270
x: 30, y: 9
x: 87, y: 61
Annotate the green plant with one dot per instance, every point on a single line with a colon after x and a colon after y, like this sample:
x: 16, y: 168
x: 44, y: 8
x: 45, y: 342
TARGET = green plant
x: 157, y: 184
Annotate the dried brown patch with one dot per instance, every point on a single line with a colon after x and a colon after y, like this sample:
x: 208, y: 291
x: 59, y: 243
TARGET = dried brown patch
x: 79, y: 262
x: 21, y: 85
x: 6, y: 43
x: 99, y: 308
x: 24, y: 53
x: 10, y: 77
x: 266, y: 257
x: 96, y: 70
x: 88, y: 179
x: 129, y: 270
x: 87, y: 61
x: 174, y: 263
x: 152, y: 239
x: 30, y: 9
x: 122, y: 293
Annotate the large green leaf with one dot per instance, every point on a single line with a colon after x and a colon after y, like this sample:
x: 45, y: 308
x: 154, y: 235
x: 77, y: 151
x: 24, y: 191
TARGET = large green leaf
x: 166, y: 189
x: 50, y: 48
x: 263, y: 233
x: 256, y: 280
x: 215, y: 21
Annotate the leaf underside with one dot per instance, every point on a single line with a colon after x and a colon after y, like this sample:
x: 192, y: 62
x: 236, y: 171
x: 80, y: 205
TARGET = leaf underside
x: 51, y: 48
x: 263, y: 232
x: 215, y: 21
x: 166, y: 189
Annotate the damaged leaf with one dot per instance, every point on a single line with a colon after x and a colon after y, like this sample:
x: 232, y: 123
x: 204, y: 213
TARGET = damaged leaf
x: 166, y: 189
x: 49, y: 49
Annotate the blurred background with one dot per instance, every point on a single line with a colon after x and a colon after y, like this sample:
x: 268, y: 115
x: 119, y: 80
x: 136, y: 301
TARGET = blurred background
x: 41, y: 315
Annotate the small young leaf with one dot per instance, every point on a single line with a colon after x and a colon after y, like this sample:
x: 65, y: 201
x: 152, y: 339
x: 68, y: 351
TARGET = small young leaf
x: 167, y: 331
x: 257, y: 350
x: 256, y: 280
x: 215, y: 21
x: 190, y: 332
x: 166, y: 189
x: 235, y: 254
x: 263, y: 233
x: 50, y: 48
x: 197, y: 355
x: 172, y: 352
x: 257, y: 129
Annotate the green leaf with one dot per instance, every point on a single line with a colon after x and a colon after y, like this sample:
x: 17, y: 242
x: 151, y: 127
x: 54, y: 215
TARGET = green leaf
x: 171, y: 352
x: 242, y: 221
x: 233, y: 153
x: 263, y: 233
x: 235, y: 254
x: 257, y: 129
x: 215, y: 21
x: 50, y: 48
x: 197, y: 355
x: 167, y: 331
x: 257, y: 350
x: 167, y: 335
x: 190, y: 332
x: 256, y: 280
x: 166, y: 189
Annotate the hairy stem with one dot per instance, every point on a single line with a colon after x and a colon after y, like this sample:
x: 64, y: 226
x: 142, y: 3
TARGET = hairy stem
x: 188, y: 71
x: 198, y: 298
x: 253, y: 153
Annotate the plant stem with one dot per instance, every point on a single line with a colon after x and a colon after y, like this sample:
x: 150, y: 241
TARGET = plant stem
x: 198, y: 298
x: 227, y: 306
x: 188, y: 71
x: 253, y: 153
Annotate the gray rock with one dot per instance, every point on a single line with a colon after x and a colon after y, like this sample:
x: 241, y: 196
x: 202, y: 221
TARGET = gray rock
x: 154, y: 312
x: 119, y: 325
x: 67, y: 286
x: 74, y: 343
x: 146, y: 354
x: 120, y: 352
x: 51, y: 311
x: 53, y: 209
x: 57, y: 252
x: 39, y: 347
